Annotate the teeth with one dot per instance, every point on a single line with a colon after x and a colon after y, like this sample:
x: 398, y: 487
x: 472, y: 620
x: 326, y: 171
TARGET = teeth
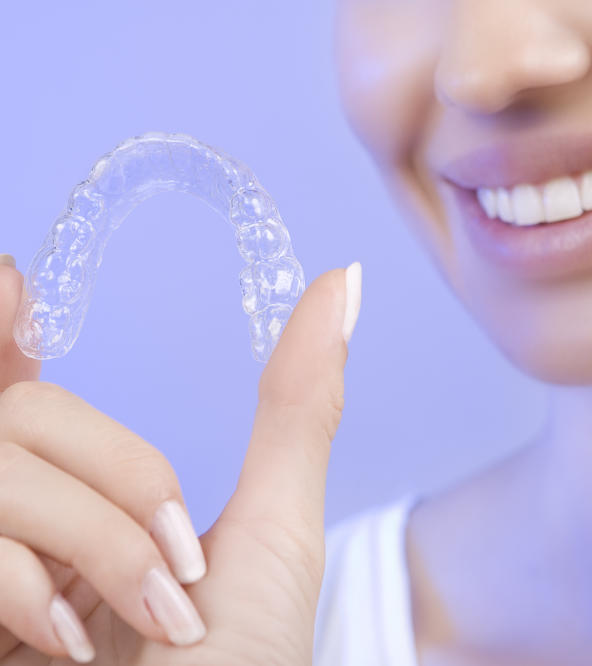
x: 527, y: 205
x: 562, y: 199
x: 488, y: 201
x: 586, y: 191
x: 504, y: 205
x: 558, y: 199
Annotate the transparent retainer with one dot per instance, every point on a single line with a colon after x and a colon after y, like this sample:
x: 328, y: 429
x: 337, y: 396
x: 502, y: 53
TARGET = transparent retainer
x: 60, y: 279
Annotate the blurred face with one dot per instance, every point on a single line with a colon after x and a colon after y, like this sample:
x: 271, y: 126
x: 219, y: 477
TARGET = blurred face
x: 478, y: 114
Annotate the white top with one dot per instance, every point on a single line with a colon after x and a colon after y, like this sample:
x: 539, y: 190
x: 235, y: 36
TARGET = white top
x: 364, y: 612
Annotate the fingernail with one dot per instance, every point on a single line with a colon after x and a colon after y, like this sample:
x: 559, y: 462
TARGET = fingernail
x: 353, y: 298
x: 172, y: 608
x: 8, y: 260
x: 174, y: 534
x: 70, y: 630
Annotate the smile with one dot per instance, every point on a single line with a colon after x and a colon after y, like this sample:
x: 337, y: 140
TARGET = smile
x: 526, y: 202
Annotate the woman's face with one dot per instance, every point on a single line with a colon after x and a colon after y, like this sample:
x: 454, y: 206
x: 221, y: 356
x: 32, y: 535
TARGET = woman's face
x: 452, y: 96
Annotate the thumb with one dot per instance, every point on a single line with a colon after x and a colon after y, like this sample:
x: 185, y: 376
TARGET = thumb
x: 300, y: 403
x: 14, y: 365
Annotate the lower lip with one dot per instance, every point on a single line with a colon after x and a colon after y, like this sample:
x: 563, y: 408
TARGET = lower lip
x: 540, y: 251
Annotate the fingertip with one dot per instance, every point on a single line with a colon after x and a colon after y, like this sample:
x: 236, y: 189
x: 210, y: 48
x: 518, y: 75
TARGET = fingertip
x: 11, y: 285
x: 311, y: 351
x: 318, y: 313
x: 14, y: 365
x: 323, y: 304
x: 70, y: 630
x: 7, y: 260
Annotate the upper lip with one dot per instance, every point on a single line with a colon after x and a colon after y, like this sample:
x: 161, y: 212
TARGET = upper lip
x: 525, y: 159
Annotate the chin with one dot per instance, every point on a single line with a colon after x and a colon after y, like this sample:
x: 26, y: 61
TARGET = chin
x: 550, y: 358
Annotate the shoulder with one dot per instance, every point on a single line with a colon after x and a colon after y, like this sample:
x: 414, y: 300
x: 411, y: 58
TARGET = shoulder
x: 364, y: 578
x: 365, y: 533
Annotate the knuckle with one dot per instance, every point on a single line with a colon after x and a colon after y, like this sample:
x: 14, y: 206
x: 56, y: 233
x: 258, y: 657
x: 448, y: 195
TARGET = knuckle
x: 149, y: 468
x: 16, y: 393
x: 18, y: 554
x: 334, y: 411
x: 23, y: 404
x: 321, y: 401
x: 19, y: 395
x: 10, y: 454
x: 297, y: 548
x: 117, y: 546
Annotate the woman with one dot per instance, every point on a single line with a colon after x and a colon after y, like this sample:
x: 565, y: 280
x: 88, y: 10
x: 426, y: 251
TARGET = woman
x: 478, y: 116
x: 484, y: 95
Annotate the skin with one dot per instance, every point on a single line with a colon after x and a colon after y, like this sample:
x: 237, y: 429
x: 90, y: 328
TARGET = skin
x: 264, y: 554
x: 499, y: 563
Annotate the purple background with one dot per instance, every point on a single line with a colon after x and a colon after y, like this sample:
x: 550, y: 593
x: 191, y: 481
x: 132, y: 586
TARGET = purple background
x: 165, y: 346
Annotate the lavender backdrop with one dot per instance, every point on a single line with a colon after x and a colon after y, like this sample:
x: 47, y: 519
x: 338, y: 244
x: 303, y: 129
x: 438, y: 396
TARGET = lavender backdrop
x: 165, y: 348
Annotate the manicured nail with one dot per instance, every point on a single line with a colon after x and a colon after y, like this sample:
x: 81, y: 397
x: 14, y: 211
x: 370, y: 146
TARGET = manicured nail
x: 171, y: 607
x: 70, y: 630
x: 173, y: 532
x: 8, y: 260
x: 353, y: 298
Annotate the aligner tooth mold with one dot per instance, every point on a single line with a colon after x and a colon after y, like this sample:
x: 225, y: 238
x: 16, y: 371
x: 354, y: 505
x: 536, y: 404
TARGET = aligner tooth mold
x: 60, y: 279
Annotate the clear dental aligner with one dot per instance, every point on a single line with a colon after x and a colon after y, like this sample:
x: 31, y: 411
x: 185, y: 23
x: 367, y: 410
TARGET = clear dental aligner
x: 61, y: 277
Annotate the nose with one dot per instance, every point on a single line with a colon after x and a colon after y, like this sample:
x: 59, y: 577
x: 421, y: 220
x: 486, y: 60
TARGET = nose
x: 492, y: 50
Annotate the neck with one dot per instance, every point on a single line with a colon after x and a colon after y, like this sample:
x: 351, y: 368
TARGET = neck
x: 567, y: 435
x: 570, y: 420
x: 565, y: 453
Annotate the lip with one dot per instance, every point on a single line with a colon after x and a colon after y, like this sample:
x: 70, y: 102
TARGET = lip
x: 540, y: 251
x: 526, y: 158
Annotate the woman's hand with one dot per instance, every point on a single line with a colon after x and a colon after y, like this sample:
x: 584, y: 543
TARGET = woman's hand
x: 79, y: 494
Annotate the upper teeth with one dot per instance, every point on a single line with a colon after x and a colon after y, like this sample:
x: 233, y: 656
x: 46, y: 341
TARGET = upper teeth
x: 557, y: 199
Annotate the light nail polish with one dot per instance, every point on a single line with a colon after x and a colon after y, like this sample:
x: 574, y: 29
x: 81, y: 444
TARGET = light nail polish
x: 353, y: 296
x: 70, y: 630
x: 8, y: 260
x: 172, y: 609
x: 173, y: 532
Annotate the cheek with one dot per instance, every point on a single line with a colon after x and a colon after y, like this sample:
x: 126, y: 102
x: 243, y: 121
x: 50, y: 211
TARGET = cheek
x: 386, y: 57
x: 543, y: 328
